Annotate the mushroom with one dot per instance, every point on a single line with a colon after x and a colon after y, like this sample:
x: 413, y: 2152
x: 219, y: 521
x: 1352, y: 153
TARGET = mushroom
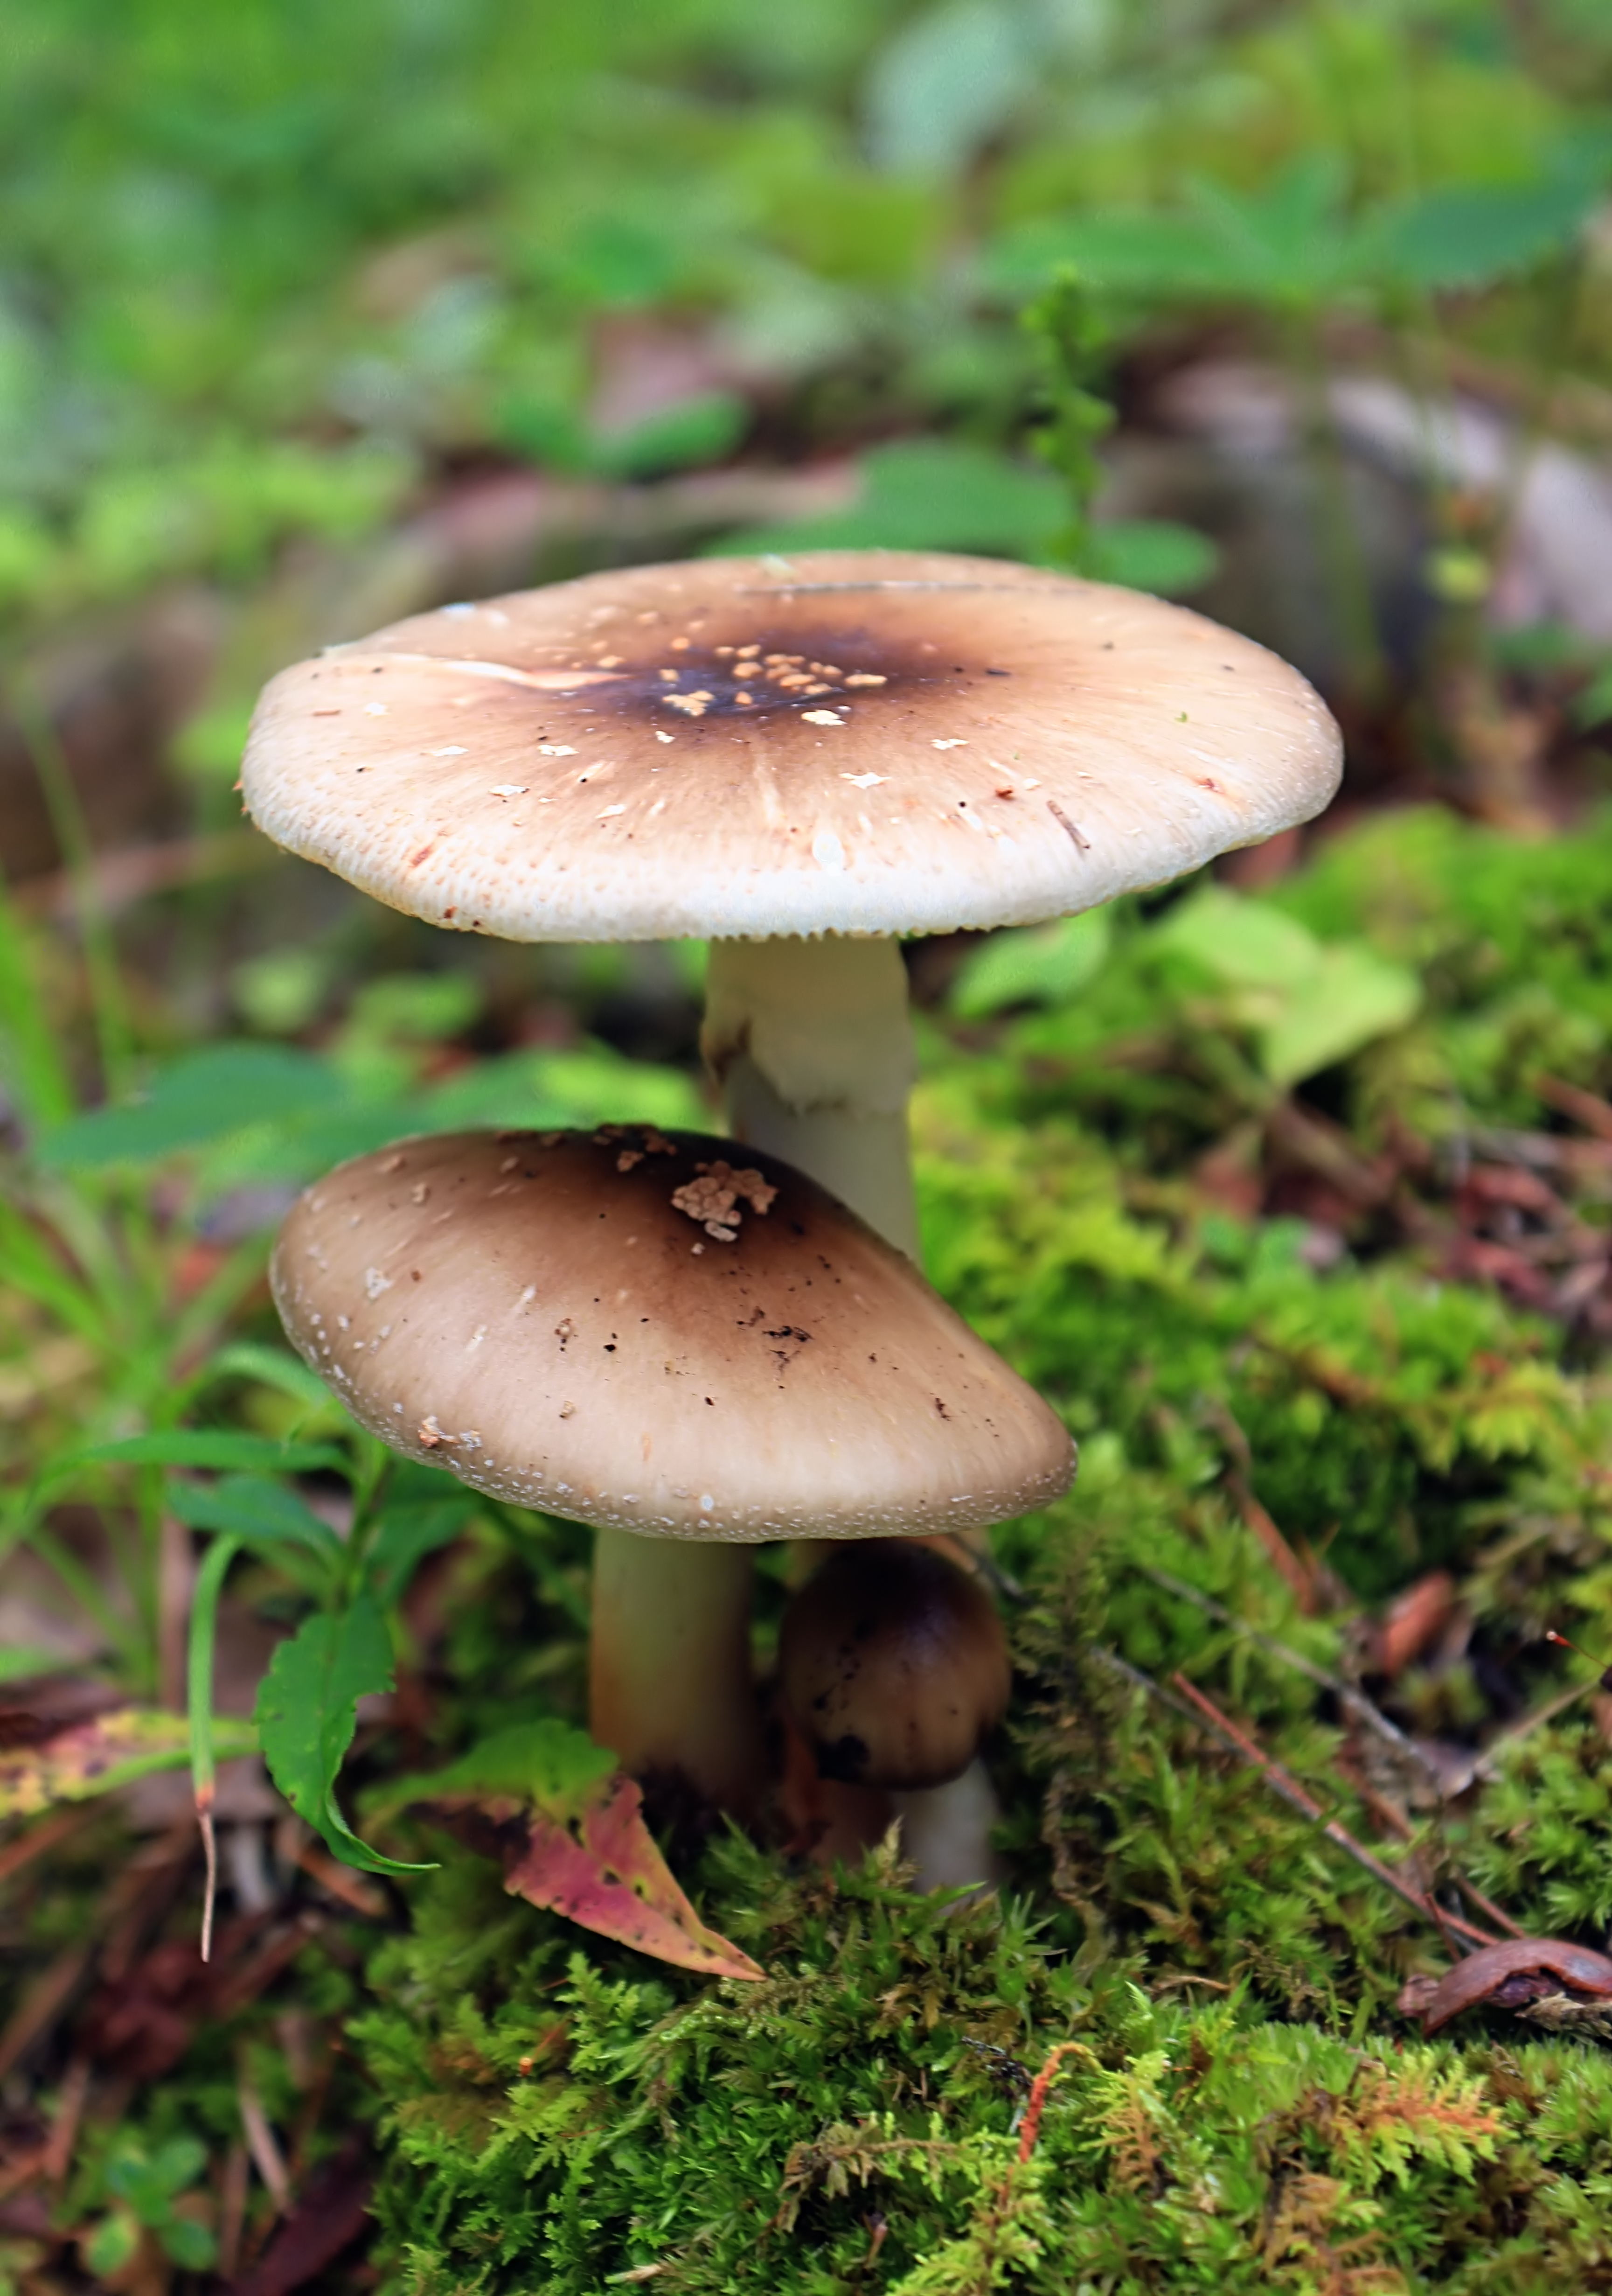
x: 626, y: 1328
x: 894, y: 1665
x: 800, y: 760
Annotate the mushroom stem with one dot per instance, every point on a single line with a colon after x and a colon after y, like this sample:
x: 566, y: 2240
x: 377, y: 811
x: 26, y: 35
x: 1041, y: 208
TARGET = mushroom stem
x: 813, y: 1046
x: 946, y: 1831
x: 670, y: 1685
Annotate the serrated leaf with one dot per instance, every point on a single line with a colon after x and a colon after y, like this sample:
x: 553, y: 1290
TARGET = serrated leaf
x: 306, y: 1711
x: 575, y: 1842
x: 95, y: 1756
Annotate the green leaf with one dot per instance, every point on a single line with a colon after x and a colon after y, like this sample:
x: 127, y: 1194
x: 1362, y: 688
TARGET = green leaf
x: 1308, y: 1004
x: 203, y: 1097
x: 147, y: 2184
x: 306, y: 1712
x: 407, y: 1535
x: 1244, y: 943
x: 262, y: 1513
x: 1469, y: 235
x: 947, y: 80
x: 549, y: 1762
x: 21, y: 1661
x: 1034, y: 964
x: 270, y: 1367
x: 1351, y: 998
x: 190, y: 2246
x: 705, y: 428
x: 1131, y: 251
x: 1151, y: 553
x: 219, y: 1449
x: 590, y: 1086
x: 112, y: 2244
x: 1289, y: 244
x: 928, y: 494
x: 32, y: 1067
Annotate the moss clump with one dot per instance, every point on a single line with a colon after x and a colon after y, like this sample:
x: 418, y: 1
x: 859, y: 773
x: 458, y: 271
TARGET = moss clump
x: 566, y: 2120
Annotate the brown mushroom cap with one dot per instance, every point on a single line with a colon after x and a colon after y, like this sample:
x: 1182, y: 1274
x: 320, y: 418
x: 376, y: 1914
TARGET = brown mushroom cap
x: 853, y: 741
x: 895, y: 1664
x: 626, y: 1328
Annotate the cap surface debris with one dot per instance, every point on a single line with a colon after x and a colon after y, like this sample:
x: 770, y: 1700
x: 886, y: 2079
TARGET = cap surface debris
x: 847, y: 741
x: 658, y: 1331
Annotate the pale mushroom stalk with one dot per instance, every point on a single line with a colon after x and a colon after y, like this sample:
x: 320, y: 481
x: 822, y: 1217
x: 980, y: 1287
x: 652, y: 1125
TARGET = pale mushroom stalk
x: 669, y: 1675
x: 813, y: 1044
x: 812, y: 1041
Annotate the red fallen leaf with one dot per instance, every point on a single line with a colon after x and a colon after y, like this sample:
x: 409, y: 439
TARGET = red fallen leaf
x: 1508, y: 1976
x: 569, y: 1831
x: 604, y: 1870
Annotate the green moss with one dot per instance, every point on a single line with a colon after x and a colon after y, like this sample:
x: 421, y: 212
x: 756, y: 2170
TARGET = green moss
x: 563, y: 2121
x: 1243, y: 2106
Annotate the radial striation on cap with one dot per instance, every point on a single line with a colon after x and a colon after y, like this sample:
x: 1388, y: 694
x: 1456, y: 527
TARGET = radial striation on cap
x: 847, y: 741
x: 628, y: 1328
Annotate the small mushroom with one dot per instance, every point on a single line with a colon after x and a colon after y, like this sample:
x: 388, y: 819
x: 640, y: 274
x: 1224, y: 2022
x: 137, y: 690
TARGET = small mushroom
x: 693, y: 1353
x: 894, y: 1665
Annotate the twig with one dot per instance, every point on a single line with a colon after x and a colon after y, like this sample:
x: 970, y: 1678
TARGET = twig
x: 1585, y: 1108
x: 42, y: 1837
x: 1354, y: 1703
x: 39, y: 2008
x: 1299, y: 1579
x: 58, y: 2154
x: 1286, y: 1787
x: 267, y: 2156
x: 232, y: 2211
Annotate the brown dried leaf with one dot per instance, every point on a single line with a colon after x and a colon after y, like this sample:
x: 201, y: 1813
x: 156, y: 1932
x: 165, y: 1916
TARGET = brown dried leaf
x: 1509, y: 1976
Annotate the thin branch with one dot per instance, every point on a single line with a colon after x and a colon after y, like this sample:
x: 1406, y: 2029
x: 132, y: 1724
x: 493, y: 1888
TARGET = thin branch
x: 1286, y: 1787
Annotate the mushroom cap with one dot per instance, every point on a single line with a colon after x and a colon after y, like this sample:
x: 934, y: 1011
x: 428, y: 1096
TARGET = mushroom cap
x: 622, y: 1327
x: 895, y: 1664
x: 850, y: 741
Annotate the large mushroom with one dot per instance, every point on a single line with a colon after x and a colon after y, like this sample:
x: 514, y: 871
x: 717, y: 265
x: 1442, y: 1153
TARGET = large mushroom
x: 624, y: 1328
x: 799, y: 761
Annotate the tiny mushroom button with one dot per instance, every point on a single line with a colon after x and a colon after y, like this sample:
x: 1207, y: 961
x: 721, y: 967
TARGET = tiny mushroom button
x: 640, y: 1331
x: 894, y: 1665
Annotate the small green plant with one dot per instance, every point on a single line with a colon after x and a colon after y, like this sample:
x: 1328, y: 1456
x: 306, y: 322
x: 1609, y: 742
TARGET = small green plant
x: 146, y: 2192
